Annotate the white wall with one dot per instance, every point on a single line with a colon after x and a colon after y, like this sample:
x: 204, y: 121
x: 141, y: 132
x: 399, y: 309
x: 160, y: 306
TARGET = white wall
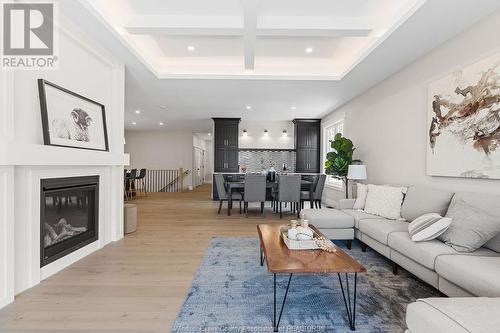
x: 255, y: 134
x: 199, y: 142
x: 89, y: 70
x: 160, y: 150
x: 388, y: 123
x: 209, y: 161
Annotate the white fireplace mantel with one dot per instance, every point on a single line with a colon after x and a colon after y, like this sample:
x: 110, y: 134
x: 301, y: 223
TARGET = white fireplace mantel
x: 24, y: 160
x: 27, y: 208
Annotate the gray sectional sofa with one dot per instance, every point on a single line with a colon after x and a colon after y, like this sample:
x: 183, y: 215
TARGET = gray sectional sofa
x: 455, y: 274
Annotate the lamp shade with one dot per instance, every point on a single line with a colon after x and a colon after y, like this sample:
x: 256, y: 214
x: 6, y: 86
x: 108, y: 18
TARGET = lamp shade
x: 356, y: 172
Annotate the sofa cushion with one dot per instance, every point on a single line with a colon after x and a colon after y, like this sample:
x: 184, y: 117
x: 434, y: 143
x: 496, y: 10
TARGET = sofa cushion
x: 454, y: 315
x: 421, y: 200
x: 424, y: 253
x: 479, y: 275
x: 470, y: 228
x: 360, y: 215
x: 488, y: 203
x: 380, y: 229
x: 385, y: 201
x: 423, y: 318
x: 362, y: 192
x: 428, y: 227
x: 328, y: 218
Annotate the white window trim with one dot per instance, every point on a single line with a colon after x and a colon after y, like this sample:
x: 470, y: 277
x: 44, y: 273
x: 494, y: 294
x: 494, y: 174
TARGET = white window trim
x: 331, y: 182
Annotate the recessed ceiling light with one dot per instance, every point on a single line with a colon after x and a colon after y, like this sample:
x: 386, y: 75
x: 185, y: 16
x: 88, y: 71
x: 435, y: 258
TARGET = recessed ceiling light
x: 249, y: 107
x: 293, y: 107
x: 309, y: 50
x: 134, y: 123
x: 160, y: 123
x: 163, y: 106
x: 138, y: 111
x: 209, y: 133
x: 190, y: 48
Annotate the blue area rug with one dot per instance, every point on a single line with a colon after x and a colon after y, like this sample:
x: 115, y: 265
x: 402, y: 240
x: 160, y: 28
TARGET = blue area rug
x: 231, y: 292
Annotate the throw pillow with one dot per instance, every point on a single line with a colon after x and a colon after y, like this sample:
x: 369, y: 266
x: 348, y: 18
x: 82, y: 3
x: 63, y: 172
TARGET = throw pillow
x: 470, y: 228
x: 362, y: 191
x: 428, y: 227
x: 384, y: 201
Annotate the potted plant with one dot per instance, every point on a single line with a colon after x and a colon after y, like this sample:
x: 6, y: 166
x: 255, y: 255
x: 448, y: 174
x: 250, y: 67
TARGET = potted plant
x: 338, y: 161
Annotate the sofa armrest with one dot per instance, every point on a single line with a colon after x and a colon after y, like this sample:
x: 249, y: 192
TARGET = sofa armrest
x: 346, y: 203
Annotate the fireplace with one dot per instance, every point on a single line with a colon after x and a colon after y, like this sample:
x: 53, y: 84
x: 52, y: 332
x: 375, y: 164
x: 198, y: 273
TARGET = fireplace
x: 69, y: 217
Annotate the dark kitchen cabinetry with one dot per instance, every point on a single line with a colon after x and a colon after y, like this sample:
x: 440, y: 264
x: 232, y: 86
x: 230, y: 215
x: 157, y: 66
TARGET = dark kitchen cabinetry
x: 308, y: 145
x: 226, y: 144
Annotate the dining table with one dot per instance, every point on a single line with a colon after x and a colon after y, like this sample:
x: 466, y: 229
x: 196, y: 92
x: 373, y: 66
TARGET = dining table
x: 234, y: 185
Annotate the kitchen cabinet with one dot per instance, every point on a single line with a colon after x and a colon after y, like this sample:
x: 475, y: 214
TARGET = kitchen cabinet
x: 226, y: 144
x: 307, y: 145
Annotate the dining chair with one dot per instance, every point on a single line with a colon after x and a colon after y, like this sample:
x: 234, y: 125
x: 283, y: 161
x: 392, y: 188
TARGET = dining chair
x: 223, y: 194
x: 140, y: 180
x: 318, y: 190
x: 125, y: 183
x: 131, y: 182
x: 307, y: 195
x: 254, y: 191
x: 288, y: 191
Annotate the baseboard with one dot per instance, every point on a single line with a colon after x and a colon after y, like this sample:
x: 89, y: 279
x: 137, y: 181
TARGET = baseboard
x: 5, y: 301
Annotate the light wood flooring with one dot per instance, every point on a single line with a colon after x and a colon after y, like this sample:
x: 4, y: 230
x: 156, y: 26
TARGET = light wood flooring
x: 139, y: 283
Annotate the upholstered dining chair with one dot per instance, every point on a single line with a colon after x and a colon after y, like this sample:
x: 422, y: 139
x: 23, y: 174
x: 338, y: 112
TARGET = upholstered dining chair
x: 318, y: 190
x: 288, y: 191
x: 223, y: 194
x: 254, y: 191
x: 307, y: 195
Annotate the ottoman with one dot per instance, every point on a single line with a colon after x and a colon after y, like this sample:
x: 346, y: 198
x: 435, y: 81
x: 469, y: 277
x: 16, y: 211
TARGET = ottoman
x: 130, y: 218
x: 333, y: 223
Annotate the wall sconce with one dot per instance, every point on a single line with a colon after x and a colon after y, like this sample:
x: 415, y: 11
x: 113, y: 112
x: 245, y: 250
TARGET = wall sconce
x: 284, y: 133
x: 245, y: 134
x: 266, y: 133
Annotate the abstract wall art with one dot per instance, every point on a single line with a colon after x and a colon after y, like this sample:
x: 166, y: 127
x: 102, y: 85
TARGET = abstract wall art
x: 463, y: 138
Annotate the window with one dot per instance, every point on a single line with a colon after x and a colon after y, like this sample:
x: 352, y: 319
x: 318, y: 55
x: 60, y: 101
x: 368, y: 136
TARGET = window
x: 329, y: 132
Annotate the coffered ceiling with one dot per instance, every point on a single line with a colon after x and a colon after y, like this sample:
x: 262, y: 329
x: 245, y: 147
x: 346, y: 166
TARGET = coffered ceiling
x: 289, y: 39
x: 355, y: 44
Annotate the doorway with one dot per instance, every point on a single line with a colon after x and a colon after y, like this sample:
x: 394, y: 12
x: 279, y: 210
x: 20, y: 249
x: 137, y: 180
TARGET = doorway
x: 198, y: 166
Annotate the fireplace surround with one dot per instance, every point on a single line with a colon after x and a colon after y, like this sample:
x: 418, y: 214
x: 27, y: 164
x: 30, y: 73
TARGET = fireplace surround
x: 69, y: 215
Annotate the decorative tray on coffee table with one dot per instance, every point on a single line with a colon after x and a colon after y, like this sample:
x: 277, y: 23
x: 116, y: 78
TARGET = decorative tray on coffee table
x: 294, y: 244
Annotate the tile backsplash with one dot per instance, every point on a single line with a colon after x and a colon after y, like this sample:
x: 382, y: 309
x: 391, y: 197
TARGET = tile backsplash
x: 256, y: 161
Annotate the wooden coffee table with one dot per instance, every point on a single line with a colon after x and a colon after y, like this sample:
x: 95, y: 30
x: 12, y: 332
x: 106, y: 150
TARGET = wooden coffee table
x: 281, y: 260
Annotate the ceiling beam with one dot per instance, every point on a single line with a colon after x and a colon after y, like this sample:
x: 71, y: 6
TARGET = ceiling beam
x: 250, y: 8
x: 271, y: 26
x: 314, y: 26
x: 186, y: 25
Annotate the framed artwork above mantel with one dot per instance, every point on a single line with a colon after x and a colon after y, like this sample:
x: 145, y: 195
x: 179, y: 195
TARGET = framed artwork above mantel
x: 70, y: 119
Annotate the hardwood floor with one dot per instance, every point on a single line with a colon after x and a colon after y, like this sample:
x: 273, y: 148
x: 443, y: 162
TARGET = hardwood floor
x: 139, y: 283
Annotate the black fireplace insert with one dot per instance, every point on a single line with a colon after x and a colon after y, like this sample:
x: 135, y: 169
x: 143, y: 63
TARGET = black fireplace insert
x: 69, y: 215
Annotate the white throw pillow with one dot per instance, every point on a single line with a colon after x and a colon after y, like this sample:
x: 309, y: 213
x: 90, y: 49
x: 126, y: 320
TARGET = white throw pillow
x: 362, y: 191
x: 428, y: 227
x: 385, y: 201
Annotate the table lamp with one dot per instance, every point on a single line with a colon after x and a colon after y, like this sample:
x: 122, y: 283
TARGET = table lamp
x: 356, y: 172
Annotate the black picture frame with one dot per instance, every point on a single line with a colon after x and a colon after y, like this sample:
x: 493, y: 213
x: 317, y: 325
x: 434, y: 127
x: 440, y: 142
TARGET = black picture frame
x: 42, y: 83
